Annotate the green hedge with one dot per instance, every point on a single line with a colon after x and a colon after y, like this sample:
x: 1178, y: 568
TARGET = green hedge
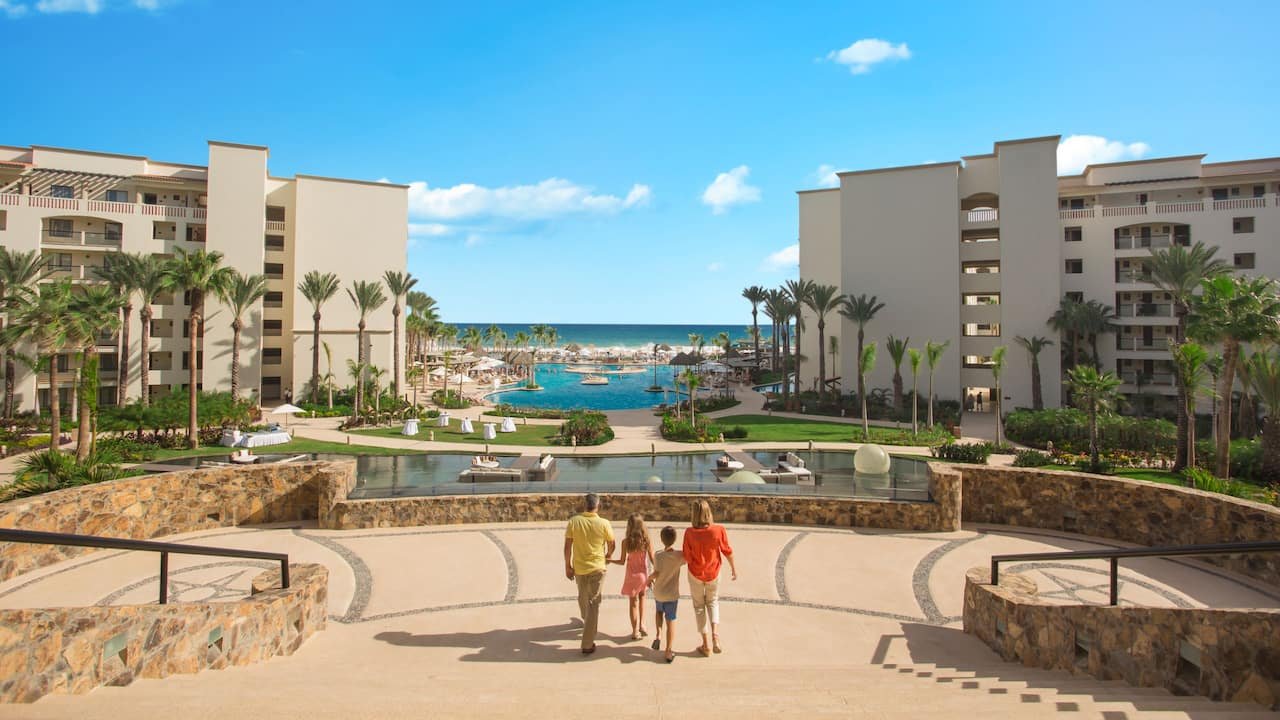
x: 1068, y: 430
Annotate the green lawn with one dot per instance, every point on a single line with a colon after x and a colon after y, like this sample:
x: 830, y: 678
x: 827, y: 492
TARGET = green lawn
x: 298, y: 446
x: 765, y: 428
x: 539, y: 435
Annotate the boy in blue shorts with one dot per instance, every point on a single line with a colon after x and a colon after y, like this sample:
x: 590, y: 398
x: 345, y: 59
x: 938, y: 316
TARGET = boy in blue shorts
x: 665, y: 582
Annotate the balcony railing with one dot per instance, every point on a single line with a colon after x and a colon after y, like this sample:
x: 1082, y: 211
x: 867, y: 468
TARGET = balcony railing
x: 982, y: 215
x: 73, y: 272
x: 1137, y: 343
x: 1167, y: 208
x: 1125, y: 277
x: 1240, y: 203
x: 81, y: 238
x: 1156, y: 378
x: 1145, y: 309
x: 171, y: 212
x: 1075, y: 213
x: 277, y: 225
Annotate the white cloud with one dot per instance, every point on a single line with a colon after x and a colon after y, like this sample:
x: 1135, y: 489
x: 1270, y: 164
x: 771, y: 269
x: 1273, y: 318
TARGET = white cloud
x: 715, y: 267
x: 473, y: 240
x: 553, y: 197
x: 1077, y: 151
x: 12, y: 10
x: 785, y: 259
x: 861, y: 55
x: 729, y: 189
x: 827, y: 176
x: 428, y: 229
x: 15, y: 9
x: 91, y: 7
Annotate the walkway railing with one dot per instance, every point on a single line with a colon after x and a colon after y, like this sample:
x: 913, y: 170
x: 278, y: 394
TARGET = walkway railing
x: 106, y: 543
x: 1115, y: 555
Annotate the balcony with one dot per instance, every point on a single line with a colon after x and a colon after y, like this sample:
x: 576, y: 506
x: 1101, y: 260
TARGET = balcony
x: 80, y: 238
x: 103, y: 207
x: 1129, y: 277
x: 1240, y: 203
x: 1168, y: 208
x: 1155, y: 344
x: 73, y: 272
x: 1156, y: 378
x: 1143, y: 242
x: 275, y: 225
x: 1145, y: 309
x: 979, y: 216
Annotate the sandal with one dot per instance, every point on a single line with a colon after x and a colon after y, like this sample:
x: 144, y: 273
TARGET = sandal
x: 703, y: 651
x: 635, y: 636
x: 656, y: 645
x: 671, y: 657
x: 644, y: 633
x: 715, y: 643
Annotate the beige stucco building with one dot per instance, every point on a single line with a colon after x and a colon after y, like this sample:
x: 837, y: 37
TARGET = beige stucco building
x: 78, y: 208
x: 981, y: 250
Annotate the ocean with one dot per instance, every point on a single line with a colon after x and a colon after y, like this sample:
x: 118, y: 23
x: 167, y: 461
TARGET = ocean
x: 630, y: 336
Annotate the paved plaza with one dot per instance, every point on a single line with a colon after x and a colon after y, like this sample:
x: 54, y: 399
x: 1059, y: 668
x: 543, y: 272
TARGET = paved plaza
x: 479, y: 621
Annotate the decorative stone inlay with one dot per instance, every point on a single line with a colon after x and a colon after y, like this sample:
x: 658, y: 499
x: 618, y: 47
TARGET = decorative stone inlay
x: 1238, y: 656
x: 73, y: 650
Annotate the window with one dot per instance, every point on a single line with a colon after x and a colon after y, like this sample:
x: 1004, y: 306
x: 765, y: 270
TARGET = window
x: 275, y: 242
x: 1242, y: 225
x: 196, y: 233
x: 1071, y: 203
x: 1075, y: 266
x: 271, y: 356
x: 273, y: 299
x: 59, y: 228
x: 1221, y: 193
x: 272, y: 327
x: 106, y: 395
x: 186, y: 329
x: 120, y: 196
x: 979, y: 236
x: 113, y: 231
x: 1073, y: 234
x: 977, y: 361
x: 4, y: 219
x: 64, y: 362
x: 1141, y: 199
x: 186, y: 360
x: 273, y: 271
x: 275, y: 214
x: 186, y: 300
x: 271, y: 387
x: 981, y: 298
x: 62, y: 191
x: 1244, y: 261
x: 1075, y: 296
x: 60, y: 260
x: 148, y: 198
x: 1259, y: 190
x: 980, y: 268
x: 982, y: 329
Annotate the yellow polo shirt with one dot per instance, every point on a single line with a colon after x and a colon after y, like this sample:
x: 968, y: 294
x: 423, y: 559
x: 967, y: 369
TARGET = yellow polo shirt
x: 590, y: 534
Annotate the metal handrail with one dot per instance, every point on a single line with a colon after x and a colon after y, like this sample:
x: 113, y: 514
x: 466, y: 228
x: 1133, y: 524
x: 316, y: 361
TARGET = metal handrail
x: 164, y: 548
x: 1115, y: 555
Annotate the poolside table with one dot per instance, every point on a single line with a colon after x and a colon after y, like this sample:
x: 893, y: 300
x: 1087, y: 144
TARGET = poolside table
x: 443, y: 421
x: 490, y: 431
x: 466, y: 426
x: 410, y: 427
x: 508, y: 425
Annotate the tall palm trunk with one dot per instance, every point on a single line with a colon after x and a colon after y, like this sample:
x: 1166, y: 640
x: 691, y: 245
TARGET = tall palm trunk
x: 359, y: 398
x: 1186, y: 405
x: 862, y: 387
x: 145, y: 315
x: 122, y: 372
x: 315, y: 357
x: 236, y: 327
x: 786, y: 379
x: 797, y: 395
x: 84, y: 431
x: 1037, y: 398
x: 1230, y: 352
x: 930, y: 397
x: 1271, y: 448
x: 395, y: 350
x: 10, y: 367
x: 822, y: 357
x: 193, y: 377
x: 755, y: 327
x: 55, y: 405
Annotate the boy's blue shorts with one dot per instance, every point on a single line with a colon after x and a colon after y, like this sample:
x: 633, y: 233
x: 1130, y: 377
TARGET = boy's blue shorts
x: 668, y: 609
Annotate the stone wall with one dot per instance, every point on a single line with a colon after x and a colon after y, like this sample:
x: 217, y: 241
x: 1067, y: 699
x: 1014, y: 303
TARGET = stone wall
x: 1135, y: 511
x: 74, y: 650
x: 1220, y: 654
x: 941, y: 515
x: 151, y: 506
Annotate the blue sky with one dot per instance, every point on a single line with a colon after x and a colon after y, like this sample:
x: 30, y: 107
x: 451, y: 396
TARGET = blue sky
x: 605, y: 162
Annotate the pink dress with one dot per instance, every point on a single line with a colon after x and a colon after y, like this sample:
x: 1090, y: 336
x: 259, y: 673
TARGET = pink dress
x: 636, y: 578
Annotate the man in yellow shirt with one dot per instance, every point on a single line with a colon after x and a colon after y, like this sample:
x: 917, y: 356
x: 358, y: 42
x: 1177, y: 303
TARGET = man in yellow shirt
x: 588, y: 542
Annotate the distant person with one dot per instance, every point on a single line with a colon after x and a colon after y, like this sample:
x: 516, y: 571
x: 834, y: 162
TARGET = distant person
x: 588, y: 542
x: 969, y: 402
x: 637, y: 556
x: 978, y: 402
x: 666, y: 589
x: 288, y: 396
x: 705, y: 543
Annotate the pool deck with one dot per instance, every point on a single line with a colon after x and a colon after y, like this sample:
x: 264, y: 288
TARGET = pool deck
x: 479, y: 621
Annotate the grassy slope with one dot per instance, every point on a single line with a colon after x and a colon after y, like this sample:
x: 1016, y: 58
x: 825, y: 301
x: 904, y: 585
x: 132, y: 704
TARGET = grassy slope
x: 299, y: 446
x: 765, y: 428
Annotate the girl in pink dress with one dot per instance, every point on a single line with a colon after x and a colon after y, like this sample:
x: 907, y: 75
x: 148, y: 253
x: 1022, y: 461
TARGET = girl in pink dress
x: 637, y: 555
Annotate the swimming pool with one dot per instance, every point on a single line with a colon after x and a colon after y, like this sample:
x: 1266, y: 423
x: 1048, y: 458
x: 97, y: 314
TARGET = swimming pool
x: 437, y: 474
x: 563, y: 390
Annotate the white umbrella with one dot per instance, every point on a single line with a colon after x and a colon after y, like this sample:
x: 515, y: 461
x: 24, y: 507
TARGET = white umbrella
x: 459, y: 378
x: 287, y: 409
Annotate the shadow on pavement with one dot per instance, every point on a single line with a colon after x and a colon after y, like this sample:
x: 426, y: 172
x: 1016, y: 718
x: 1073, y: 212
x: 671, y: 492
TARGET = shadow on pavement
x: 546, y: 644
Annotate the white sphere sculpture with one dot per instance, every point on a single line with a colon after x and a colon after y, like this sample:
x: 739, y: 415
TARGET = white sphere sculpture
x: 745, y: 477
x: 871, y: 460
x: 653, y: 480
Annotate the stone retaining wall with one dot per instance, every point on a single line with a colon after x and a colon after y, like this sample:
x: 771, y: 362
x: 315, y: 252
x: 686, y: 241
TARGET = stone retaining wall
x: 76, y: 649
x: 941, y: 515
x: 1220, y: 654
x: 1135, y: 511
x: 151, y: 506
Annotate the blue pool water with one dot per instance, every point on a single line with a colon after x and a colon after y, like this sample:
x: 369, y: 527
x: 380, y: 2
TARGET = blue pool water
x: 564, y: 390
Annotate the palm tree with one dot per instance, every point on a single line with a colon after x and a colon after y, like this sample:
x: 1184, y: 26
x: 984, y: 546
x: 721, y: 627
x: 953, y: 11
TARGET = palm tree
x: 800, y: 290
x: 1246, y: 414
x: 473, y: 338
x: 423, y: 307
x: 18, y: 270
x: 491, y: 335
x: 1066, y: 320
x: 367, y: 296
x: 1033, y: 346
x: 1096, y: 319
x: 151, y: 278
x: 822, y: 300
x: 1264, y: 376
x: 1178, y: 271
x: 39, y: 315
x: 724, y: 341
x: 318, y: 288
x: 328, y: 374
x: 997, y: 369
x: 375, y: 375
x: 691, y: 380
x: 1232, y: 311
x: 1190, y: 364
x: 756, y: 295
x: 861, y: 310
x: 92, y: 311
x: 913, y: 359
x: 413, y: 376
x: 122, y: 276
x: 866, y: 363
x: 399, y: 284
x: 773, y: 307
x: 932, y: 354
x: 695, y: 342
x: 239, y: 294
x: 198, y: 273
x: 1094, y: 392
x: 897, y: 349
x: 833, y: 349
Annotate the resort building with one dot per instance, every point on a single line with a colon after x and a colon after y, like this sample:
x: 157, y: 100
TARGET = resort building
x: 981, y: 250
x: 81, y: 208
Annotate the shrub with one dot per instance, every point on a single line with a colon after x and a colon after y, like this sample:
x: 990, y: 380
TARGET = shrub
x: 1031, y: 458
x: 975, y: 453
x: 1204, y: 480
x: 323, y: 410
x: 1246, y: 457
x: 506, y: 410
x: 1068, y: 430
x: 450, y: 400
x: 1101, y: 467
x: 584, y: 427
x: 127, y: 449
x: 681, y: 430
x: 48, y: 471
x: 737, y: 432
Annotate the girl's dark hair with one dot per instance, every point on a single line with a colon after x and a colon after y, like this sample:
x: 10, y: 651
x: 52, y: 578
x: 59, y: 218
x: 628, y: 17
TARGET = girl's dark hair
x: 668, y: 535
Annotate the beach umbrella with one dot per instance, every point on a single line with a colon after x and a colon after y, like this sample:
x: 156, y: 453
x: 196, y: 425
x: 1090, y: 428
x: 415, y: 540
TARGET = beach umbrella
x: 459, y: 378
x: 287, y: 409
x: 573, y: 347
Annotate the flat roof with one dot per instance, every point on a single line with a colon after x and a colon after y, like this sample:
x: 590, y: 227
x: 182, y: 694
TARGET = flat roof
x: 376, y: 183
x: 921, y: 166
x: 817, y: 190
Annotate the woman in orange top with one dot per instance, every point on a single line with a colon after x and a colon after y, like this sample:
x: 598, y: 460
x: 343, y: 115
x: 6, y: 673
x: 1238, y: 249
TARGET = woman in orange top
x: 704, y: 544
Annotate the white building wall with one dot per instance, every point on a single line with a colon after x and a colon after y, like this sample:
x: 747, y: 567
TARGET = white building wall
x: 820, y: 262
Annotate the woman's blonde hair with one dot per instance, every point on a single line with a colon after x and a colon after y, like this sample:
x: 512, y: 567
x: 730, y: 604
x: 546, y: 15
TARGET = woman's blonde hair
x: 637, y: 537
x: 701, y: 514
